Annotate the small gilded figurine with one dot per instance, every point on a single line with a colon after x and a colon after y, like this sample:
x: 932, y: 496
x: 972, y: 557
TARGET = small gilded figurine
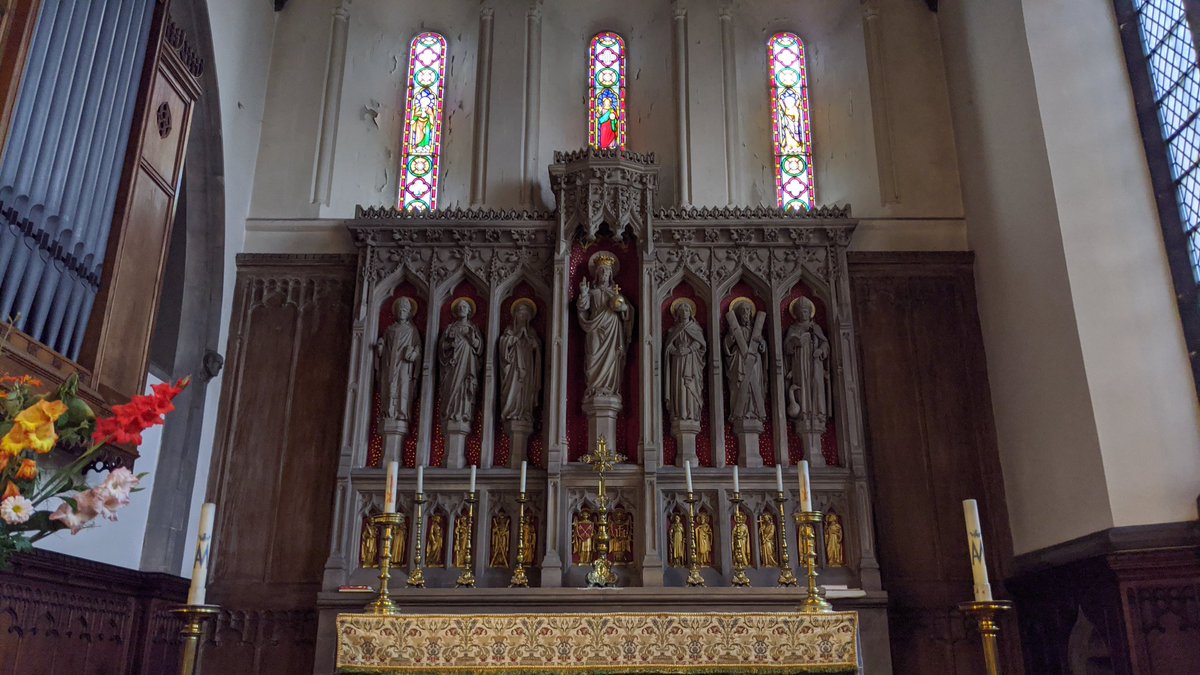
x: 766, y: 539
x: 835, y: 551
x: 500, y: 539
x: 676, y: 552
x: 462, y: 541
x: 435, y: 547
x: 704, y: 540
x: 741, y: 539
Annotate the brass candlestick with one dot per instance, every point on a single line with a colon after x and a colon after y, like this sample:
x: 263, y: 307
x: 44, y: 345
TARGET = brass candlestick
x: 986, y: 618
x: 387, y: 523
x: 416, y: 578
x: 786, y: 577
x: 739, y: 570
x: 814, y: 603
x: 467, y: 579
x: 602, y: 459
x: 519, y: 578
x: 194, y: 617
x: 693, y: 578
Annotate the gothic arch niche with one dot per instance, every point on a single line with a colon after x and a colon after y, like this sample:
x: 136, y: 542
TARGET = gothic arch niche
x: 746, y: 325
x: 388, y: 438
x: 458, y: 361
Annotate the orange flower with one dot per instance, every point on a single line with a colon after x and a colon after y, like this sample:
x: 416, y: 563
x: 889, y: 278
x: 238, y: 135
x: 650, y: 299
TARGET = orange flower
x: 34, y: 428
x: 28, y: 470
x: 10, y: 491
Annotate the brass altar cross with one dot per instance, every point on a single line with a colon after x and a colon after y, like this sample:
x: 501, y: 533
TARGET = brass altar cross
x: 602, y: 459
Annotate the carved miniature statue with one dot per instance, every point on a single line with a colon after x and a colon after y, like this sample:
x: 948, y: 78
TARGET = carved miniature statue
x: 766, y: 540
x: 745, y: 348
x: 501, y: 536
x: 676, y: 549
x: 582, y: 532
x: 622, y: 536
x: 741, y: 539
x: 520, y: 365
x: 704, y: 540
x: 462, y: 541
x: 529, y: 541
x: 835, y: 551
x: 685, y: 348
x: 368, y: 546
x: 806, y: 350
x: 460, y: 355
x: 803, y: 550
x: 607, y: 319
x: 397, y: 354
x: 435, y: 546
x: 400, y: 543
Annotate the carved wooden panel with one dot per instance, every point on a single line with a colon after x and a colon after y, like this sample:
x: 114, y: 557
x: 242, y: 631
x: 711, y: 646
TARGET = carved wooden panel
x: 931, y: 445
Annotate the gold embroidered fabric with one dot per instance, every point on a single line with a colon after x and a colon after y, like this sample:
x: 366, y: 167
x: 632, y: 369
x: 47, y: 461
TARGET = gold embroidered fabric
x: 717, y: 642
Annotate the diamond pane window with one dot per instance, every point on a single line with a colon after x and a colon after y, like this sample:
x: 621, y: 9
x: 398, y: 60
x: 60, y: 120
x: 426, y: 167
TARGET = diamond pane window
x: 789, y: 122
x: 606, y: 99
x: 423, y: 123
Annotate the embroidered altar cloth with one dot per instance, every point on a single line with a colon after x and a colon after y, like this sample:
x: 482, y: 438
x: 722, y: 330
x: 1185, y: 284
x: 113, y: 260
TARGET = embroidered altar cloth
x: 716, y: 642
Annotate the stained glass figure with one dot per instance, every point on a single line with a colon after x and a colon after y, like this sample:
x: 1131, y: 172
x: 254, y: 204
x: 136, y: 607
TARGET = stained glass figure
x: 789, y: 122
x: 423, y: 123
x: 606, y: 127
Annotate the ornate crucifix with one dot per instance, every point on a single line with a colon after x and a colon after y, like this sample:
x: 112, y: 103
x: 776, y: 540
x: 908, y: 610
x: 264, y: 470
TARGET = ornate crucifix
x: 602, y: 459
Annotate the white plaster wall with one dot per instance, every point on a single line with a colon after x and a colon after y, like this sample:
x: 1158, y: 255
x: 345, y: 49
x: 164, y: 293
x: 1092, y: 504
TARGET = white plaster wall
x: 1133, y: 348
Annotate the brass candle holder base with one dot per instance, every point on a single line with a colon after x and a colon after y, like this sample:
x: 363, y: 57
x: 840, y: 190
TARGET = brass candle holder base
x: 519, y: 578
x: 416, y: 578
x: 814, y: 602
x: 387, y: 524
x: 693, y: 578
x: 986, y: 613
x: 194, y: 617
x: 786, y: 576
x: 739, y: 570
x: 467, y: 579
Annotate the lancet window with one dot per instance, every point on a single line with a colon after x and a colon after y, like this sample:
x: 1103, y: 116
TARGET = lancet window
x: 423, y: 123
x: 789, y: 122
x: 606, y: 110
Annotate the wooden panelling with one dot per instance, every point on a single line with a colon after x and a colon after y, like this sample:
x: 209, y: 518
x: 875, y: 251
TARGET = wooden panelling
x: 931, y: 445
x: 277, y: 452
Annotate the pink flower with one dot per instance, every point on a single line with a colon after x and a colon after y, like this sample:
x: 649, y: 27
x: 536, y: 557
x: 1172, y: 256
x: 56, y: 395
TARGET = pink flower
x: 76, y: 520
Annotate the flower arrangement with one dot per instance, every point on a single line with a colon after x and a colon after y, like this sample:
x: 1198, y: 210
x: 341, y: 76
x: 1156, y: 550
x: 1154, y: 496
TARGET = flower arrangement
x: 32, y: 426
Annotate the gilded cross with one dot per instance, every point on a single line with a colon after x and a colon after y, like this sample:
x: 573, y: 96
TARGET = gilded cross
x: 602, y: 459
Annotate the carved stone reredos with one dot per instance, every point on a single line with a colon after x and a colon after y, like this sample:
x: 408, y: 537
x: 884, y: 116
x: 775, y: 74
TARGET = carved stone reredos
x: 594, y: 188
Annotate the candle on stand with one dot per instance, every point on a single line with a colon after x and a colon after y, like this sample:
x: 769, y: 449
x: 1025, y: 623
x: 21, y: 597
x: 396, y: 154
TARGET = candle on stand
x: 196, y: 592
x: 389, y: 490
x: 806, y: 503
x: 983, y: 589
x: 421, y: 479
x: 523, y: 470
x: 687, y: 467
x: 778, y: 477
x: 473, y: 467
x: 737, y: 483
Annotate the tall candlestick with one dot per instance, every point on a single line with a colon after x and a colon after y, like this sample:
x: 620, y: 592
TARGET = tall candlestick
x: 196, y: 592
x: 524, y: 466
x: 421, y: 479
x: 687, y: 467
x: 778, y: 477
x: 983, y: 589
x: 805, y: 488
x: 473, y: 467
x: 737, y: 482
x: 389, y: 491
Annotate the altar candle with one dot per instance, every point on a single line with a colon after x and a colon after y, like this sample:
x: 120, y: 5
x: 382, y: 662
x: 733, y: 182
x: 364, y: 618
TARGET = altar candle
x: 389, y: 491
x: 737, y: 483
x: 196, y: 592
x: 523, y: 468
x: 779, y: 478
x: 805, y: 488
x: 473, y: 467
x: 687, y: 467
x: 421, y: 479
x: 983, y: 589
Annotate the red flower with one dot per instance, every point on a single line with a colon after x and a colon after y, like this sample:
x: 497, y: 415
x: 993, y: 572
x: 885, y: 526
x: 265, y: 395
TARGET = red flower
x: 128, y: 422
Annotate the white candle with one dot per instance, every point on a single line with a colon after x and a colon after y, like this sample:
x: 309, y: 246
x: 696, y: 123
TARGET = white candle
x: 687, y: 467
x: 196, y: 592
x: 389, y: 490
x: 805, y: 488
x: 421, y: 479
x: 473, y: 467
x: 524, y: 465
x: 778, y: 478
x: 983, y: 589
x: 737, y: 482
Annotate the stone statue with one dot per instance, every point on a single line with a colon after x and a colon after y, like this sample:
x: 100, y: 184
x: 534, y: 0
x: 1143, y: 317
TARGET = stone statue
x: 435, y: 545
x: 396, y: 357
x: 520, y: 378
x: 745, y: 348
x: 683, y: 391
x: 529, y: 540
x: 806, y: 351
x: 582, y: 532
x: 501, y: 535
x: 462, y: 541
x: 368, y: 546
x: 766, y: 540
x: 607, y: 320
x: 741, y: 539
x: 835, y: 551
x: 677, y: 548
x: 460, y: 356
x: 704, y: 540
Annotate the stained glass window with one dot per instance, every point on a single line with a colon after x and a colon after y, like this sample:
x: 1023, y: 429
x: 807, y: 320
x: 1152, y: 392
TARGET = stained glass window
x: 606, y: 127
x: 789, y: 122
x: 423, y: 122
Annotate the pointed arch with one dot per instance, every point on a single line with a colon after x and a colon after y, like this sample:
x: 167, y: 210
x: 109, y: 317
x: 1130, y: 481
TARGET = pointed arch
x: 422, y: 147
x: 606, y: 91
x: 794, y: 188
